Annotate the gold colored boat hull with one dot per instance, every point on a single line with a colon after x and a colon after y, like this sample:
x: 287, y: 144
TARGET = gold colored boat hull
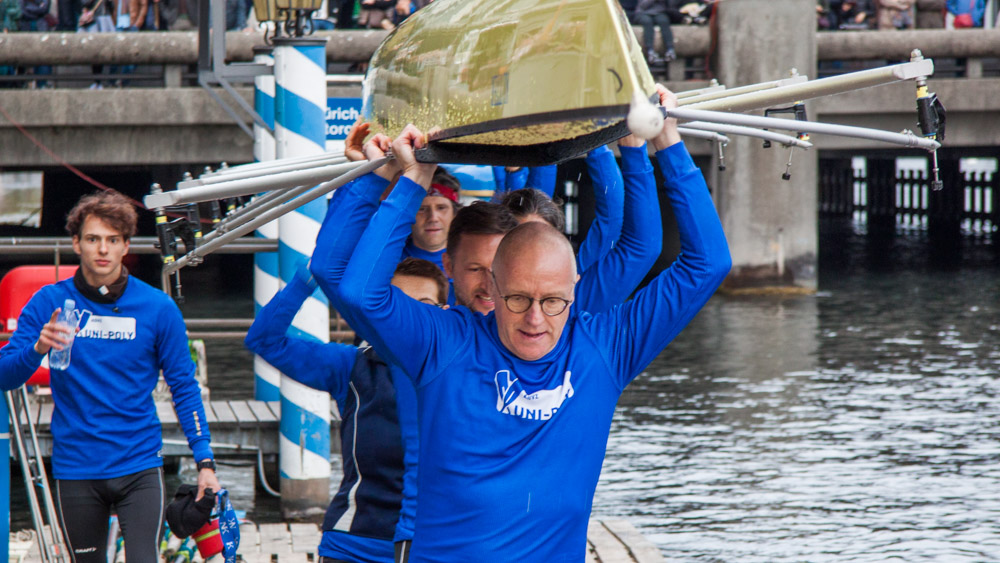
x: 508, y: 82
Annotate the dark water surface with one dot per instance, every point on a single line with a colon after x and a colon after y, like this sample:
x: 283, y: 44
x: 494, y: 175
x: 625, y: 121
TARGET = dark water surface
x: 857, y: 424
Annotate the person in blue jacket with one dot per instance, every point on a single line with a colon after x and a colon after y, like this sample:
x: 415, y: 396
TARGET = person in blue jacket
x: 515, y: 406
x: 430, y: 227
x: 966, y: 13
x: 105, y: 431
x: 350, y: 210
x: 363, y: 523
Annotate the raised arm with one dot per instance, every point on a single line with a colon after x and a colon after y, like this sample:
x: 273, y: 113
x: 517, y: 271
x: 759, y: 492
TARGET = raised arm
x: 409, y: 332
x: 542, y: 178
x: 609, y: 202
x: 346, y: 218
x: 349, y: 211
x: 322, y: 366
x: 614, y: 277
x: 638, y: 330
x: 345, y: 221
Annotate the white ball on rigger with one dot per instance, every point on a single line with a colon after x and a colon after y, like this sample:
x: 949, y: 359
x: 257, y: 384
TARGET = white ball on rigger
x: 644, y: 119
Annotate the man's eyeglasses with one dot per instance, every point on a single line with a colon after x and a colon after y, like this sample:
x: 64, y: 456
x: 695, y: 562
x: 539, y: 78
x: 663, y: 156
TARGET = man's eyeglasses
x: 435, y: 303
x: 551, y: 306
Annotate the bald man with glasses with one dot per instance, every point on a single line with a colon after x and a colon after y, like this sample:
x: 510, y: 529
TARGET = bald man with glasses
x: 515, y: 406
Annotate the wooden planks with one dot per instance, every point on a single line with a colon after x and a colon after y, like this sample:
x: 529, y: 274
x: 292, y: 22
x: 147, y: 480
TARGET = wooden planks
x: 217, y: 413
x: 244, y: 416
x: 638, y: 545
x: 608, y: 541
x: 263, y: 412
x: 223, y: 414
x: 606, y: 546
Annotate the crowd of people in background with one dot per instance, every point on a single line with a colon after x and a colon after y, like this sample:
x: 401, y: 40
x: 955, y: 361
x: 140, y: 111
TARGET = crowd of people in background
x: 180, y: 15
x: 899, y: 14
x: 648, y: 15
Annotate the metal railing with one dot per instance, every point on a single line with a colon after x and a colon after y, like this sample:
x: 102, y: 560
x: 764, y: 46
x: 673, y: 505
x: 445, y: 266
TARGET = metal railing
x: 168, y: 58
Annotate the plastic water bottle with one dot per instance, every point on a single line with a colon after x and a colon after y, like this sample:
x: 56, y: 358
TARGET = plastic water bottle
x: 59, y: 359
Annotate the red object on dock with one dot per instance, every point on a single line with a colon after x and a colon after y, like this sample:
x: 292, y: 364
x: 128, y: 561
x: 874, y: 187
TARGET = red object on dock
x: 208, y: 539
x: 16, y: 289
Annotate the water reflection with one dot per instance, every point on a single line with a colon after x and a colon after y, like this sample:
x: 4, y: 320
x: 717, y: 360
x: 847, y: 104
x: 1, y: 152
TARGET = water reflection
x: 859, y: 424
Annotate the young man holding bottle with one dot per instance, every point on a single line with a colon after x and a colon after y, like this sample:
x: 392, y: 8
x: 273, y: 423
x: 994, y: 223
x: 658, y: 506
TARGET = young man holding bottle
x: 106, y: 435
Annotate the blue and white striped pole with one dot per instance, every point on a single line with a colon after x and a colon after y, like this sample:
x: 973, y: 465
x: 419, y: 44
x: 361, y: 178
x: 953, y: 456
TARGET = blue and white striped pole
x: 300, y: 130
x: 267, y: 379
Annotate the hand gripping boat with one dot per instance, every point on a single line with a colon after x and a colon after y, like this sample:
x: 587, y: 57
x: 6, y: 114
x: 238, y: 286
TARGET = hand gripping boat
x: 508, y: 82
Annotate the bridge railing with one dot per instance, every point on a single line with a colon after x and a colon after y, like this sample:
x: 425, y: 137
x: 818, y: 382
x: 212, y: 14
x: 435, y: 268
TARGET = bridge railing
x: 168, y: 58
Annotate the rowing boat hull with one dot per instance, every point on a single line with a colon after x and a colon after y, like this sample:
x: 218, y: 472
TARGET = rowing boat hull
x: 508, y: 82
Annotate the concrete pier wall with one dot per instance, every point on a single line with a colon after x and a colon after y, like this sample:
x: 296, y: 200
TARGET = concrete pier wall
x: 770, y: 222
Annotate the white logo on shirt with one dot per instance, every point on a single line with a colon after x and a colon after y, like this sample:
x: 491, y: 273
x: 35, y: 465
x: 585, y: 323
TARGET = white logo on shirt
x: 106, y: 328
x: 540, y: 405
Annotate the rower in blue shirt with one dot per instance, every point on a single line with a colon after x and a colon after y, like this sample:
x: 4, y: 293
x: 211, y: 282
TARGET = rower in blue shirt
x: 515, y: 406
x: 430, y: 229
x: 369, y: 519
x: 107, y: 438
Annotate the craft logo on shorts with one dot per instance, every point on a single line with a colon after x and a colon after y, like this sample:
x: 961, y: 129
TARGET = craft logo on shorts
x: 106, y: 328
x: 512, y: 399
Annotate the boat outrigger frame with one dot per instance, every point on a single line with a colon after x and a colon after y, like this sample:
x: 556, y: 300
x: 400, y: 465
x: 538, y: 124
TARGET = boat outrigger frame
x: 280, y: 186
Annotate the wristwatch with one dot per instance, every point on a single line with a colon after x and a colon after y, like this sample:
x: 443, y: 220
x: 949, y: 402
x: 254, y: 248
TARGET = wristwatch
x: 206, y: 464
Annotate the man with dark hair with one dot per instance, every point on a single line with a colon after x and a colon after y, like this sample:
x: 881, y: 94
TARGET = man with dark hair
x: 472, y: 241
x: 106, y: 434
x: 376, y: 410
x: 529, y: 204
x: 515, y: 407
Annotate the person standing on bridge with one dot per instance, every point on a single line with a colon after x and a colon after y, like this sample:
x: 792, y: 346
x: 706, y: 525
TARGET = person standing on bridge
x: 105, y: 431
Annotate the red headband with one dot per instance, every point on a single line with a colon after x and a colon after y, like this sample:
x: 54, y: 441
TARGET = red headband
x: 443, y: 191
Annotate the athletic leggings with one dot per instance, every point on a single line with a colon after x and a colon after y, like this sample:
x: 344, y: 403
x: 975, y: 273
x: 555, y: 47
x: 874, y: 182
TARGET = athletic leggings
x: 85, y: 507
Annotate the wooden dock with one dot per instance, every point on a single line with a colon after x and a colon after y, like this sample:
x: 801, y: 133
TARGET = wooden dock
x: 237, y: 423
x: 608, y: 541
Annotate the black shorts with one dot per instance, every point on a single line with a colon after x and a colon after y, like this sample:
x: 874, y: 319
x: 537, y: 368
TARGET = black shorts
x: 85, y: 507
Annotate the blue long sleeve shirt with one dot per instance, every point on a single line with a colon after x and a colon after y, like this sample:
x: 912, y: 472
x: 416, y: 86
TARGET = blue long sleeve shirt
x: 609, y: 203
x: 413, y: 251
x: 104, y: 424
x: 378, y: 406
x: 541, y: 178
x: 613, y: 277
x: 342, y: 227
x: 510, y: 450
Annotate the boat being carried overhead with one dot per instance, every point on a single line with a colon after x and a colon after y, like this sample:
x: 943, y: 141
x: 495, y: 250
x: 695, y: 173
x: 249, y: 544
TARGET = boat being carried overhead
x: 508, y: 82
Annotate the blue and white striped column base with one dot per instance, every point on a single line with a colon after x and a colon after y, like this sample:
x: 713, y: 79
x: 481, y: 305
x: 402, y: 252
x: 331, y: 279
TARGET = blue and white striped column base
x: 300, y: 130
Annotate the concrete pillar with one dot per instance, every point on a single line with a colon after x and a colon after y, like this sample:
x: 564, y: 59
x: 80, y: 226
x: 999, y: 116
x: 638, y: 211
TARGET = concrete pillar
x: 771, y: 223
x: 300, y: 130
x: 267, y: 379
